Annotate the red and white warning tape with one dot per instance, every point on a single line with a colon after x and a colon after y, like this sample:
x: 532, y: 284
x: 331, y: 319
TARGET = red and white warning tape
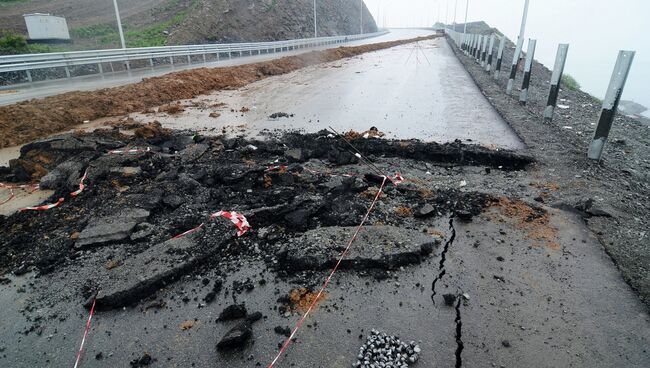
x: 11, y: 196
x: 129, y: 152
x: 236, y: 218
x: 397, y: 178
x: 82, y: 186
x: 44, y: 207
x: 12, y: 188
x: 83, y: 340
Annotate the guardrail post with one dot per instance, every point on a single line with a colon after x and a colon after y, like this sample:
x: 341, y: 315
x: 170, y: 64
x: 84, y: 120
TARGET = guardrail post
x: 67, y: 71
x: 488, y: 66
x: 151, y: 62
x: 481, y: 49
x: 484, y: 51
x: 530, y: 57
x: 556, y: 77
x: 473, y: 51
x: 189, y: 59
x: 171, y: 60
x: 513, y: 67
x: 610, y: 103
x: 29, y: 75
x: 101, y: 70
x: 477, y: 47
x: 502, y: 45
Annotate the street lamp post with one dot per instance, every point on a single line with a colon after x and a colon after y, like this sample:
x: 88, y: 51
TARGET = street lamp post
x: 315, y: 26
x: 466, y: 8
x: 455, y: 8
x: 361, y: 16
x: 119, y: 24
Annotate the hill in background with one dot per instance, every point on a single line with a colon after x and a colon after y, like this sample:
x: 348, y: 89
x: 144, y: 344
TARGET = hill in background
x: 171, y: 22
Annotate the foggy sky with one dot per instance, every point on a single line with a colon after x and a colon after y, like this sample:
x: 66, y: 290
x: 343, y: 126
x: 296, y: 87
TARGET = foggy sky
x: 595, y: 30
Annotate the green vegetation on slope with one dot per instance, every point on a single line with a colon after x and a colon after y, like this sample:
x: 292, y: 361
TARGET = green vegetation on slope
x: 14, y: 43
x: 570, y: 82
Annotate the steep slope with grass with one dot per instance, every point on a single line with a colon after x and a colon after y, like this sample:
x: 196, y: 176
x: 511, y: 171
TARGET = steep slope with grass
x: 169, y: 22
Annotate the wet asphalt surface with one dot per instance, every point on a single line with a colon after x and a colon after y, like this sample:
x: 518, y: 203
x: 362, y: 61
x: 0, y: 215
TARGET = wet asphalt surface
x: 17, y: 93
x: 526, y: 303
x: 412, y: 91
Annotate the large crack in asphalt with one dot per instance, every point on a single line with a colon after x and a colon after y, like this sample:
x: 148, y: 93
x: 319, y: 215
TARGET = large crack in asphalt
x: 459, y: 335
x: 443, y: 258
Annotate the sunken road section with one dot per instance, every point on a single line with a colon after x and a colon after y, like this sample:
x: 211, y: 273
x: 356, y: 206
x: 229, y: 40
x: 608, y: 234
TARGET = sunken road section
x: 305, y: 189
x: 30, y: 120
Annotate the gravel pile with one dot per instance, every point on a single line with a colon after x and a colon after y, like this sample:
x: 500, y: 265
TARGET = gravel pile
x: 386, y: 351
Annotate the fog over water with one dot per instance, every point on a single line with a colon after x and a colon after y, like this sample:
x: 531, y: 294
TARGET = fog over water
x: 595, y: 29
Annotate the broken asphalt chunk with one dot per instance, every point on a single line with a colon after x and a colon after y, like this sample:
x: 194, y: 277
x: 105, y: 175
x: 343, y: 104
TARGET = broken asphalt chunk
x: 110, y: 229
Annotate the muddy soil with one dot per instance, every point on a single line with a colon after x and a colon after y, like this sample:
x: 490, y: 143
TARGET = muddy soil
x: 30, y: 120
x: 613, y: 196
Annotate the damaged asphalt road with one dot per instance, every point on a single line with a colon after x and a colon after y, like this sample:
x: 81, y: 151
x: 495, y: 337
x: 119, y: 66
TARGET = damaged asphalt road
x: 521, y: 272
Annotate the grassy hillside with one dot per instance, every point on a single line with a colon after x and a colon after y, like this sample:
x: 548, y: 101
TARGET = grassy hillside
x: 163, y: 22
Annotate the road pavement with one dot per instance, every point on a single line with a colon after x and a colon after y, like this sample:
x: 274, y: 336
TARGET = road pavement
x: 17, y: 93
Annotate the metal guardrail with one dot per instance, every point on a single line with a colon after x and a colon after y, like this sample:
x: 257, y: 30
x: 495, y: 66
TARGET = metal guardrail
x: 28, y: 62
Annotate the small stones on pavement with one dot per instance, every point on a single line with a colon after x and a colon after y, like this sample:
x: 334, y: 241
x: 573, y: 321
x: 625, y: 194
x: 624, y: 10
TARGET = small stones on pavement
x: 382, y: 350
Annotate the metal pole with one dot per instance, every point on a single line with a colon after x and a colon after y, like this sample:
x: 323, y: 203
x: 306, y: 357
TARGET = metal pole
x: 610, y: 103
x: 119, y: 24
x: 455, y: 8
x: 466, y: 8
x: 502, y: 45
x: 488, y: 66
x: 484, y: 50
x: 530, y: 57
x: 556, y: 77
x: 520, y: 44
x: 361, y: 16
x: 315, y: 25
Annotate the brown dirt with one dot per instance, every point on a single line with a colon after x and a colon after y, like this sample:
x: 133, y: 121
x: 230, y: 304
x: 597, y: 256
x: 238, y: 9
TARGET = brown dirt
x: 535, y: 222
x: 29, y: 120
x: 186, y: 325
x: 403, y: 211
x: 302, y: 298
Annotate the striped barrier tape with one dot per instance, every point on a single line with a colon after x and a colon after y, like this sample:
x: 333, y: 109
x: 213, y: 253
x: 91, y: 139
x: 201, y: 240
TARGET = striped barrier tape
x: 83, y: 340
x: 44, y: 207
x: 129, y: 152
x: 396, y: 179
x: 82, y: 186
x: 236, y: 218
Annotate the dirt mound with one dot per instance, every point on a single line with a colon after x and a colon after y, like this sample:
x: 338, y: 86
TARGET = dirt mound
x: 30, y: 120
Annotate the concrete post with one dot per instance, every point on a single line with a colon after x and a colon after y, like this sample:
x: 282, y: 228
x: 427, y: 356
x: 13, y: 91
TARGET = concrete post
x: 67, y: 71
x: 610, y: 103
x: 477, y: 52
x: 488, y: 65
x: 29, y: 75
x: 530, y: 56
x: 101, y: 70
x: 556, y: 77
x: 502, y: 45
